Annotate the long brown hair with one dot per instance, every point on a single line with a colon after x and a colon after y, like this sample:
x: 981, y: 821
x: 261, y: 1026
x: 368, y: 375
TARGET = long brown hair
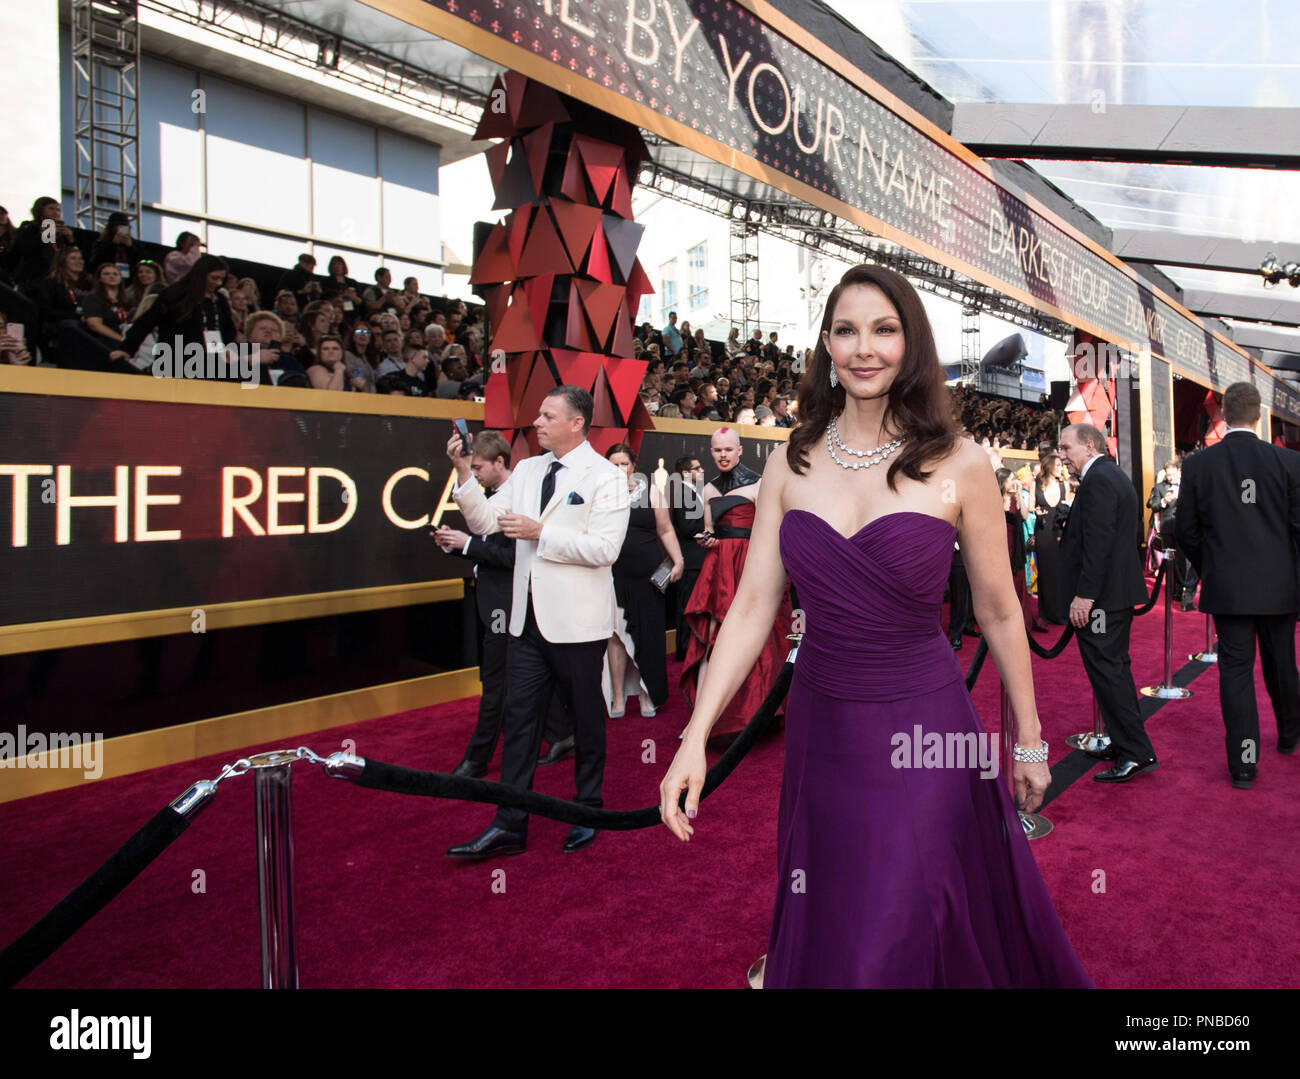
x: 918, y: 403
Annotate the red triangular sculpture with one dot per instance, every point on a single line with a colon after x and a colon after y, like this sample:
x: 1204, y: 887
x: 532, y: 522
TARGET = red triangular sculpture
x: 638, y: 285
x: 541, y: 105
x: 577, y: 368
x: 495, y: 298
x: 543, y: 253
x: 602, y: 303
x: 537, y: 146
x: 602, y: 438
x: 538, y: 291
x: 620, y: 199
x: 621, y: 342
x: 519, y: 370
x: 623, y: 238
x: 572, y: 185
x: 624, y: 379
x: 601, y: 161
x: 539, y: 385
x: 494, y: 263
x: 598, y: 259
x: 576, y: 222
x: 498, y: 410
x: 493, y: 124
x: 517, y: 224
x: 602, y: 415
x: 516, y: 333
x: 577, y: 331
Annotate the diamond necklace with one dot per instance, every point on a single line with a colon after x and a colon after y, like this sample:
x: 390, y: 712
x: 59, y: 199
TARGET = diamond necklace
x: 871, y: 457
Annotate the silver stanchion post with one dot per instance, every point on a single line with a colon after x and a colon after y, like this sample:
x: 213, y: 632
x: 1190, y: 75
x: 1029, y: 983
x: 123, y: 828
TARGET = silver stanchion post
x: 1167, y: 691
x: 1210, y: 655
x: 1094, y: 742
x: 272, y: 792
x: 1035, y: 824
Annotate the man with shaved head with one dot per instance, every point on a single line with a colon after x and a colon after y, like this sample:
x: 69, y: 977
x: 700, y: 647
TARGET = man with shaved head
x: 728, y: 514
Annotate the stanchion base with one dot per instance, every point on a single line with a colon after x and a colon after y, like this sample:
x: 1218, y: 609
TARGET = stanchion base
x: 1205, y: 657
x: 755, y: 974
x: 1089, y: 742
x: 1167, y: 693
x: 1035, y: 826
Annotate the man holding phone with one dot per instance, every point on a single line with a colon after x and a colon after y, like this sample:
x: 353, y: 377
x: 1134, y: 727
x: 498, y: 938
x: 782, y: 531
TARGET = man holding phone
x: 494, y: 562
x: 567, y: 511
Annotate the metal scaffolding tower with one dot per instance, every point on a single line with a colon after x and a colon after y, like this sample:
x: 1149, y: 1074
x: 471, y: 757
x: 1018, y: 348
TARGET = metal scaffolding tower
x: 970, y: 346
x: 105, y: 78
x: 744, y: 277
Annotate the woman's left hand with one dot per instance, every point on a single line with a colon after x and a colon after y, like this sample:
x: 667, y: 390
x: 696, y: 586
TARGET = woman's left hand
x: 1032, y: 781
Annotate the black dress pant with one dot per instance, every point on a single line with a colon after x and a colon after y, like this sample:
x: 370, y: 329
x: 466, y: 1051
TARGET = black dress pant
x: 492, y: 704
x: 1107, y: 663
x: 535, y: 667
x: 1237, y: 634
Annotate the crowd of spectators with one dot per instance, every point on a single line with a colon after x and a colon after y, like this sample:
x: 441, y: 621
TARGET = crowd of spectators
x: 108, y: 311
x: 690, y: 377
x: 1000, y: 423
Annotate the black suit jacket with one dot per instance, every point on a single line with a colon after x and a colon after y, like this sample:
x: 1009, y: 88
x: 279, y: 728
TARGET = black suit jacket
x: 1238, y: 522
x: 494, y: 555
x: 1099, y: 549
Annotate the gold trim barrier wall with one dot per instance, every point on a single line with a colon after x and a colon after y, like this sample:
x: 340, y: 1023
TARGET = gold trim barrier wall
x: 130, y: 753
x: 138, y: 752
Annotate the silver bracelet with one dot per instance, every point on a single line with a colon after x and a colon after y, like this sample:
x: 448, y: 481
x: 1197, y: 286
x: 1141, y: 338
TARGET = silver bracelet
x: 1029, y: 756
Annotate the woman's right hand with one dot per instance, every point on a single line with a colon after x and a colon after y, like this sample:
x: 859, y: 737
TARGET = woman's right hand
x: 686, y: 773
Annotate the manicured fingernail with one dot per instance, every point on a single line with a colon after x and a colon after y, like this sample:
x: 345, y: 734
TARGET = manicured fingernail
x: 691, y: 813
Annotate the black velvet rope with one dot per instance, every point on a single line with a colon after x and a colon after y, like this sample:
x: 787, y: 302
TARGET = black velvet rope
x: 1155, y: 589
x: 1056, y: 649
x: 976, y: 663
x: 392, y: 777
x: 90, y: 897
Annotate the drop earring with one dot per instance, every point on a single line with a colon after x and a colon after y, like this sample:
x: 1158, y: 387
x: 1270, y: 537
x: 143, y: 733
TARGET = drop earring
x: 835, y: 379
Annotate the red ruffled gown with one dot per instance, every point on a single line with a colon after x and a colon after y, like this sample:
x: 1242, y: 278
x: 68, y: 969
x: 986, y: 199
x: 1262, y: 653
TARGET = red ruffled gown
x: 714, y: 590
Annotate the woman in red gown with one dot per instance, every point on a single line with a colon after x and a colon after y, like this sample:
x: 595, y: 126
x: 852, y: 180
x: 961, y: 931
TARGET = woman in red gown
x: 729, y: 512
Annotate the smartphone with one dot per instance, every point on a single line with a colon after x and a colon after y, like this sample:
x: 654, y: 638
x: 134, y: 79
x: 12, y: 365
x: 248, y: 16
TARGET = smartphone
x: 15, y: 330
x: 463, y: 430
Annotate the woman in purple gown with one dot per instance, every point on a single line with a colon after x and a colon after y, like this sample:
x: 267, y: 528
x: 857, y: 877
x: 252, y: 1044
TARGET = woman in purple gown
x: 901, y: 859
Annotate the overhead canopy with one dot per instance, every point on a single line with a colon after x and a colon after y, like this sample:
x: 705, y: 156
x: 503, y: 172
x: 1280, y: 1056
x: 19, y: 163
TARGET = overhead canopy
x: 767, y: 111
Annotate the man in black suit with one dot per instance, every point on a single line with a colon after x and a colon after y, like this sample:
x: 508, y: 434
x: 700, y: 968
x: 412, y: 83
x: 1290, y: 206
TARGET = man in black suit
x: 493, y: 556
x: 1103, y: 571
x: 1239, y: 522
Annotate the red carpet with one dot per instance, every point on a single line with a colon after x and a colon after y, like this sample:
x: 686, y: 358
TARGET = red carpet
x: 1173, y: 880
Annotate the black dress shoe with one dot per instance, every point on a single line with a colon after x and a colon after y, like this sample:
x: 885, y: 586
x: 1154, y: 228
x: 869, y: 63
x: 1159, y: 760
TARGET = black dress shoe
x: 557, y: 752
x: 1242, y: 778
x: 956, y: 644
x: 1288, y: 747
x: 578, y: 838
x: 470, y: 770
x: 1126, y: 770
x: 491, y: 843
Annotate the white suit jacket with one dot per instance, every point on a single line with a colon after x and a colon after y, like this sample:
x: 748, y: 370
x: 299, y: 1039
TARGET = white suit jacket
x: 567, y: 567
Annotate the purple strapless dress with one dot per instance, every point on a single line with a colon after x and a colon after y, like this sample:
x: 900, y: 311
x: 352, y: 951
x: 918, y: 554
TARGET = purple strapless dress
x: 893, y: 875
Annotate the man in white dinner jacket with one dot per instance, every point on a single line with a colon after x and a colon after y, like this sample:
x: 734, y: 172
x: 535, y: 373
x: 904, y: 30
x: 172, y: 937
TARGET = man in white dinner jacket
x: 567, y: 511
